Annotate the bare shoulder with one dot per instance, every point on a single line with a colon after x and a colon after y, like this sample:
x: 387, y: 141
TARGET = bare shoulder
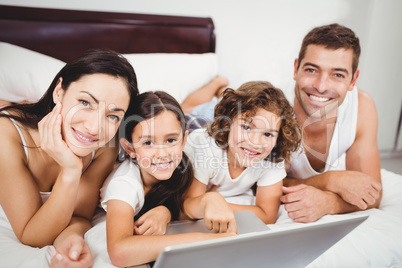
x: 10, y: 141
x: 367, y: 113
x: 366, y: 102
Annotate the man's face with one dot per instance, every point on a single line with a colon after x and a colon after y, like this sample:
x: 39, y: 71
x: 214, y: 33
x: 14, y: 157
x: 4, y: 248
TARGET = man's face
x: 323, y: 79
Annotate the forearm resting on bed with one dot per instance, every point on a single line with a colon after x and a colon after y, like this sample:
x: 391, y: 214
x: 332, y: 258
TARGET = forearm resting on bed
x: 267, y: 218
x: 357, y: 190
x: 78, y: 226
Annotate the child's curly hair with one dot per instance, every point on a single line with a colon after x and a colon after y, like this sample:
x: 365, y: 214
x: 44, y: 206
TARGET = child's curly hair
x: 247, y: 99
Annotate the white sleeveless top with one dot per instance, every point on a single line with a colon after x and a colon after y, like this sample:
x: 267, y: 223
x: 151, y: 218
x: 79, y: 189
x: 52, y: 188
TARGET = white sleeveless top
x: 343, y: 137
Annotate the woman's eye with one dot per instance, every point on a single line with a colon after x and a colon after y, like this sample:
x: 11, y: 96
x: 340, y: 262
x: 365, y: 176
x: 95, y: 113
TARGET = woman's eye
x: 114, y: 118
x: 85, y: 103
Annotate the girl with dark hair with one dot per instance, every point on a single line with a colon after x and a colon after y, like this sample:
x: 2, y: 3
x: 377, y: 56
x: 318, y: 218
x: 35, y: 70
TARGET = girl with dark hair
x: 253, y: 132
x: 154, y: 180
x: 61, y: 150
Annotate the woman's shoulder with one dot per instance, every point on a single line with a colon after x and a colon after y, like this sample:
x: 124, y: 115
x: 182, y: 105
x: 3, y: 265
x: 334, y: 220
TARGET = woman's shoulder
x: 13, y: 152
x: 10, y: 137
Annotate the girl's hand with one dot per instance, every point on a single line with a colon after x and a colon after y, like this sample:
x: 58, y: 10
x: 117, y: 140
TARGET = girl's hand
x: 73, y: 252
x: 51, y: 140
x: 153, y: 222
x: 218, y: 215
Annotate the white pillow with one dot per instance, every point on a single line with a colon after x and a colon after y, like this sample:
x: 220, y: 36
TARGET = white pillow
x: 25, y: 74
x: 176, y: 73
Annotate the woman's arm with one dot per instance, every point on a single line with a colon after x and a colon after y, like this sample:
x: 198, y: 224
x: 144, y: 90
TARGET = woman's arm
x: 126, y: 249
x: 70, y: 245
x: 72, y: 251
x: 38, y: 224
x: 34, y: 223
x: 267, y: 203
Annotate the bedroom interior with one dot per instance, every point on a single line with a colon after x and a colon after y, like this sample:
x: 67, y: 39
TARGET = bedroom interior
x: 277, y: 31
x: 192, y: 45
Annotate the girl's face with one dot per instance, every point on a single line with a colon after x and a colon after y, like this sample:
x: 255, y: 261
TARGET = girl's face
x: 158, y: 145
x: 93, y: 107
x: 252, y: 139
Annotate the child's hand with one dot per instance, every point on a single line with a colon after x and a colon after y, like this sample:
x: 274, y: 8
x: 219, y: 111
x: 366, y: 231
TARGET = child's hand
x: 73, y: 252
x: 218, y: 215
x: 51, y: 140
x: 153, y: 222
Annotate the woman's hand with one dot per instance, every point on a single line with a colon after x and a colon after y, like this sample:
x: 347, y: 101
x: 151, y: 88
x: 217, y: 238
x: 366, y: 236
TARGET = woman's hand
x: 51, y: 140
x: 73, y: 252
x: 153, y: 222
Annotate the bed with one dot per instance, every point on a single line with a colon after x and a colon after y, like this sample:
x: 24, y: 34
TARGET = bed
x: 171, y: 53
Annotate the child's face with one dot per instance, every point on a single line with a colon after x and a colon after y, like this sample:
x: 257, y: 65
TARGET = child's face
x: 158, y: 146
x: 252, y: 139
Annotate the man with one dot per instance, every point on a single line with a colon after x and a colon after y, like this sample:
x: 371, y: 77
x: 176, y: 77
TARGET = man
x: 335, y: 118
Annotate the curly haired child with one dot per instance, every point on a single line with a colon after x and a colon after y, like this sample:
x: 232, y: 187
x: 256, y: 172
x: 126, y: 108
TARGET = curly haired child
x: 253, y: 133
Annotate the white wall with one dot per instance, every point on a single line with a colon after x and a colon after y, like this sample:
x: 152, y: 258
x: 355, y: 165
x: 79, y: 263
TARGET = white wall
x: 260, y: 39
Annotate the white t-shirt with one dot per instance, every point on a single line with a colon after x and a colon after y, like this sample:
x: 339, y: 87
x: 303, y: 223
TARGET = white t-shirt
x: 124, y: 183
x: 211, y: 167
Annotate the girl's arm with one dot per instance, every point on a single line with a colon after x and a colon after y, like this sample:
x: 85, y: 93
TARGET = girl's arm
x: 153, y: 222
x: 266, y: 204
x: 211, y: 207
x: 126, y: 249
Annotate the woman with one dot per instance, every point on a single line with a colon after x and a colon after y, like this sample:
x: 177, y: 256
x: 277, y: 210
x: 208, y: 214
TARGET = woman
x: 62, y: 149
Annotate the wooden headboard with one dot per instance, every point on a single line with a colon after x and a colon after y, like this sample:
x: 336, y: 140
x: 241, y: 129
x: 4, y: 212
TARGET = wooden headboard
x: 64, y: 34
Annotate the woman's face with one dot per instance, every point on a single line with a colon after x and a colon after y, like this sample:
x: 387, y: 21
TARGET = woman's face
x: 92, y: 109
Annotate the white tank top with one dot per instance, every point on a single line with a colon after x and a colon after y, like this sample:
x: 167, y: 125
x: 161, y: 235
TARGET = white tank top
x: 343, y: 137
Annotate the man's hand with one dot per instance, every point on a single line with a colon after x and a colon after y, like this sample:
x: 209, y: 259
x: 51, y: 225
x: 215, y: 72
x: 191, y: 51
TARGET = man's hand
x: 356, y: 188
x: 307, y: 203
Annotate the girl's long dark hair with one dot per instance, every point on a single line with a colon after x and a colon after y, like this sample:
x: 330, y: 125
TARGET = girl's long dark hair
x: 90, y: 62
x: 170, y: 192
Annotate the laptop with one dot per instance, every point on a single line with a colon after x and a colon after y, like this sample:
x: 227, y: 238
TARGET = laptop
x: 266, y: 248
x: 246, y: 221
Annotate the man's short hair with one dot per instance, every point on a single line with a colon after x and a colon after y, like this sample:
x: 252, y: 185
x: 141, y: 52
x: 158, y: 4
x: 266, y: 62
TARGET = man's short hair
x: 332, y: 36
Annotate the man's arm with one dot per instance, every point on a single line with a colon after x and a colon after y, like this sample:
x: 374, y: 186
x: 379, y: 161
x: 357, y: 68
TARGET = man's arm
x: 359, y: 186
x: 363, y: 156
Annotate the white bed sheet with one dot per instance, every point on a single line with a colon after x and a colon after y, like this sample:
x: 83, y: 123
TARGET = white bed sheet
x: 375, y: 243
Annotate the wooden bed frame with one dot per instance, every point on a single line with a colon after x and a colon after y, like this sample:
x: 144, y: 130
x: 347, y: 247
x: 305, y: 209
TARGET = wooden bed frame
x: 64, y: 34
